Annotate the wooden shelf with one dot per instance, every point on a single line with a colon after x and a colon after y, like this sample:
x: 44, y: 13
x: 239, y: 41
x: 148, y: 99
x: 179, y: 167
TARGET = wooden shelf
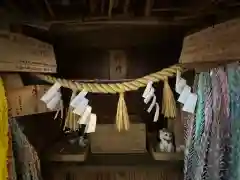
x: 66, y: 152
x: 165, y: 156
x: 116, y: 161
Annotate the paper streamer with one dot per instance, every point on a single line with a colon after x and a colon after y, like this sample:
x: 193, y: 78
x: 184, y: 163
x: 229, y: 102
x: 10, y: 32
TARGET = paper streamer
x: 82, y: 105
x: 86, y: 116
x: 50, y: 93
x: 148, y: 95
x: 152, y: 104
x: 91, y: 126
x: 156, y: 115
x: 77, y: 100
x: 188, y: 99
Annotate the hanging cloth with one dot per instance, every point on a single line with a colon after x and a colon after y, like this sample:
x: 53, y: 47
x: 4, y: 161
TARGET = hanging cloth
x: 203, y: 123
x: 189, y: 128
x: 216, y: 162
x: 27, y: 161
x: 233, y: 71
x: 208, y: 135
x: 197, y: 142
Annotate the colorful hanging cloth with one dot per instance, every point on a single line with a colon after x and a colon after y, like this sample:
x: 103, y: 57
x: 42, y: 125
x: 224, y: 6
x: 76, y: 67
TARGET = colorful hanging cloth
x: 27, y: 161
x: 234, y: 90
x: 189, y: 127
x: 208, y: 132
x: 203, y: 122
x: 219, y: 133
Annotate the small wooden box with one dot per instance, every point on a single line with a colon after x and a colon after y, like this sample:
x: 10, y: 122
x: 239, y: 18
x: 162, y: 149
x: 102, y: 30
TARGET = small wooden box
x: 26, y: 100
x: 107, y: 139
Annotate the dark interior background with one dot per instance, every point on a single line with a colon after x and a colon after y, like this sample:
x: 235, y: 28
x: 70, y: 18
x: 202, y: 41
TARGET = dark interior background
x: 78, y: 60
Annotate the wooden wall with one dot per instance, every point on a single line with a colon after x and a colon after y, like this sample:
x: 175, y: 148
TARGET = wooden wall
x: 76, y: 62
x: 93, y: 63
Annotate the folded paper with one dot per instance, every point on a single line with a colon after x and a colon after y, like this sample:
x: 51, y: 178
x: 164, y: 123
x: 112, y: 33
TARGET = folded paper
x: 156, y: 115
x: 190, y: 104
x: 84, y: 119
x: 184, y: 95
x: 82, y: 105
x: 147, y: 89
x: 77, y: 100
x: 149, y: 95
x: 54, y: 102
x: 180, y: 85
x: 91, y: 126
x: 59, y: 109
x: 152, y: 104
x: 50, y: 93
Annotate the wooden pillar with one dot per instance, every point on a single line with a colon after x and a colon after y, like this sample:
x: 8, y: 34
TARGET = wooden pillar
x: 148, y: 7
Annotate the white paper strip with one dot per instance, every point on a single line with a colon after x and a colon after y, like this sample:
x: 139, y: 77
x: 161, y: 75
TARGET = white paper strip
x: 190, y: 103
x: 50, y: 93
x: 147, y: 89
x: 91, y: 126
x: 59, y: 109
x: 180, y: 85
x: 149, y: 96
x: 156, y: 115
x: 184, y: 95
x: 73, y: 96
x: 76, y: 101
x: 178, y: 76
x: 54, y: 102
x: 79, y: 110
x: 152, y: 104
x: 86, y: 116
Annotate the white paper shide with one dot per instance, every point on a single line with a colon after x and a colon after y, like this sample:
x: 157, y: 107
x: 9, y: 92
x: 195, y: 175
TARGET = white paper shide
x: 148, y: 95
x: 81, y: 107
x: 53, y: 99
x: 187, y: 98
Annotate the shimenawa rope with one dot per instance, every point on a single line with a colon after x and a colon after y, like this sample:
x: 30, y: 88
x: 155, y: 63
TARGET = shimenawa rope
x: 122, y: 119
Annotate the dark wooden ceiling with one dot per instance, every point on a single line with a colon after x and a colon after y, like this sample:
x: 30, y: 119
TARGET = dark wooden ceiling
x: 54, y: 10
x: 113, y: 21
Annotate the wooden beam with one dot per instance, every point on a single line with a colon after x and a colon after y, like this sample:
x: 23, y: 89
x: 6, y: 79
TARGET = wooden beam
x: 148, y: 7
x: 126, y: 7
x: 49, y: 9
x: 217, y: 44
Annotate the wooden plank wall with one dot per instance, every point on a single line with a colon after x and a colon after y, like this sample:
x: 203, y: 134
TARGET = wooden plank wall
x: 121, y: 173
x: 94, y: 64
x: 128, y: 175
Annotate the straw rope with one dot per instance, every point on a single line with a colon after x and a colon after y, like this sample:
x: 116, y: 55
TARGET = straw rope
x: 113, y: 88
x: 122, y: 118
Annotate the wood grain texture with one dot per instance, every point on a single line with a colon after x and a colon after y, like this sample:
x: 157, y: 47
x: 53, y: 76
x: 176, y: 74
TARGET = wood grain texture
x: 118, y: 64
x: 214, y: 44
x: 118, y: 173
x: 107, y: 139
x: 21, y: 53
x: 12, y: 80
x: 26, y: 100
x: 63, y: 151
x: 162, y: 156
